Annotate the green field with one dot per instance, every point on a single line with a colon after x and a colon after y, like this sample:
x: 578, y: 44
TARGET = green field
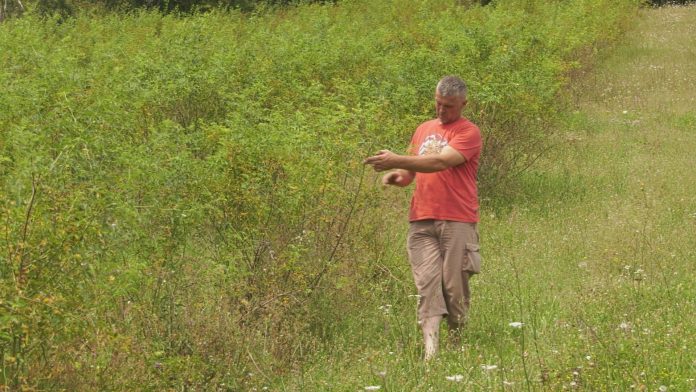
x: 594, y: 253
x: 184, y: 206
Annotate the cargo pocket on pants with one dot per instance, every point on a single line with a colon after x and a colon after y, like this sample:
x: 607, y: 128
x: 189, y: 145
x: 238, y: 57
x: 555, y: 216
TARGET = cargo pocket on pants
x: 473, y: 259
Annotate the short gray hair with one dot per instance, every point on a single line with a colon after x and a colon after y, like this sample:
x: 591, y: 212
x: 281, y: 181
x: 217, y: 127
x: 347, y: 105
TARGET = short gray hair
x: 451, y: 86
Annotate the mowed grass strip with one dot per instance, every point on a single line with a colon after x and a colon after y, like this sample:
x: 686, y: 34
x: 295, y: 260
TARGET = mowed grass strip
x: 594, y: 255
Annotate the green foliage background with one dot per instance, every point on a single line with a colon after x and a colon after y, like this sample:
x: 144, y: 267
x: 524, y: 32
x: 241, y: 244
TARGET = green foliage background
x: 184, y: 193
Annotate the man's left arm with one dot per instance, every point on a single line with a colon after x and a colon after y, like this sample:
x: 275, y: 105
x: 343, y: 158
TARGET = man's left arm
x: 429, y: 163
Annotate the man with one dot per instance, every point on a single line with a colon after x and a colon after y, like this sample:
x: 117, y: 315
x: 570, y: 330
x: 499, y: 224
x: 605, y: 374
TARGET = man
x: 443, y: 241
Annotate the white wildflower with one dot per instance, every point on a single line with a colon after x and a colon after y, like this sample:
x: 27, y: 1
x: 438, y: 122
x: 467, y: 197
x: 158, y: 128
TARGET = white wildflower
x: 373, y: 388
x: 516, y: 324
x: 489, y: 367
x: 455, y: 378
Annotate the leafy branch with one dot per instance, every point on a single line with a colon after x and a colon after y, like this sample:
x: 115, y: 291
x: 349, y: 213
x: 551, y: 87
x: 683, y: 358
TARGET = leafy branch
x: 24, y: 260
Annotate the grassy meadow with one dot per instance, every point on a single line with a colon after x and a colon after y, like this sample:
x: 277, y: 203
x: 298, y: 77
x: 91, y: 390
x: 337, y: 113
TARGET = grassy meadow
x: 594, y: 253
x: 184, y: 206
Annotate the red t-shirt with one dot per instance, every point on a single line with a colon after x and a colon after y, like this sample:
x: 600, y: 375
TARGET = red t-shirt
x: 450, y: 194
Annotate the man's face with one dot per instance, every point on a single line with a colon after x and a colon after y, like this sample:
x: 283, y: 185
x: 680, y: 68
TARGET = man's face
x: 449, y: 109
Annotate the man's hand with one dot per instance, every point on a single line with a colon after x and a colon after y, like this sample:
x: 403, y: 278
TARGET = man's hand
x: 398, y: 177
x: 384, y: 160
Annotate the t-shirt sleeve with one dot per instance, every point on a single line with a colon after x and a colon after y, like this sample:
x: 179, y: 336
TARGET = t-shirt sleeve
x: 467, y: 142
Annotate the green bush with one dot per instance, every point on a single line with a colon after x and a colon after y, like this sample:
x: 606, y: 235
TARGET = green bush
x: 185, y: 193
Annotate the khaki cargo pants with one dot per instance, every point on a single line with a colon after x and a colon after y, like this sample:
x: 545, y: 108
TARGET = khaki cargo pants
x: 443, y: 255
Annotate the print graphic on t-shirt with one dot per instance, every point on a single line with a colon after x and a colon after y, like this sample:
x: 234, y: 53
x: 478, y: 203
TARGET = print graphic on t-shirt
x: 432, y: 144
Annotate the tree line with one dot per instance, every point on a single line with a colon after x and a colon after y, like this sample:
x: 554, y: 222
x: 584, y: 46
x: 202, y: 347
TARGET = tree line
x: 64, y: 8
